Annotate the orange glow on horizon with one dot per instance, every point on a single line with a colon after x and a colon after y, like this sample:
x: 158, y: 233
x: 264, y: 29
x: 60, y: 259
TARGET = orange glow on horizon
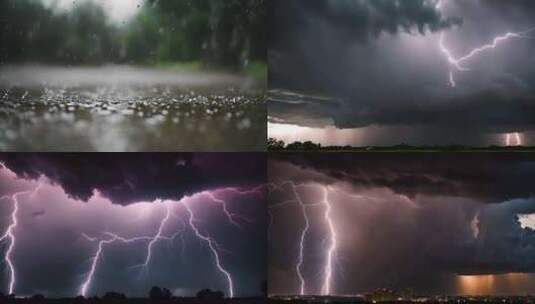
x: 476, y: 285
x: 491, y: 284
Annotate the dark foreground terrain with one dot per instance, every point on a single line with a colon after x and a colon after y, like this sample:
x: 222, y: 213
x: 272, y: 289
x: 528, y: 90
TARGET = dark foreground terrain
x: 134, y: 301
x: 274, y: 145
x: 430, y: 300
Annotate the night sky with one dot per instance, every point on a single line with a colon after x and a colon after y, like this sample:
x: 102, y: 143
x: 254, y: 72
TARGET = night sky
x: 373, y: 72
x: 68, y: 203
x: 434, y: 223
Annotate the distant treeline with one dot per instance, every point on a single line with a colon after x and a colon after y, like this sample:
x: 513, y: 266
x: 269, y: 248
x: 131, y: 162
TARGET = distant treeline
x: 156, y: 295
x: 279, y: 145
x: 228, y: 33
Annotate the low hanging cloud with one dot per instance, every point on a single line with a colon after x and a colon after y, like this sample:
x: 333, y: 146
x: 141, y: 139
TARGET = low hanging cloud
x: 488, y: 177
x: 129, y: 178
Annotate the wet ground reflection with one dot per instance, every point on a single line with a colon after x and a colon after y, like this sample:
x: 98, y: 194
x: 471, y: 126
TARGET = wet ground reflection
x: 121, y: 109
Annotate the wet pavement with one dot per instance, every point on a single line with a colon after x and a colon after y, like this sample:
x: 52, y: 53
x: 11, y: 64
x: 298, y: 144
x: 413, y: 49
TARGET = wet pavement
x: 118, y: 108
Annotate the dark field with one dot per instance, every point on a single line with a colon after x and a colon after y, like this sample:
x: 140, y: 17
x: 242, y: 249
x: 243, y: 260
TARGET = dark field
x: 430, y: 300
x: 140, y: 301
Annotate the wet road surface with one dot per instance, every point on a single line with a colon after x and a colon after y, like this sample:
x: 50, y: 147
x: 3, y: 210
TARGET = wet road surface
x: 121, y: 108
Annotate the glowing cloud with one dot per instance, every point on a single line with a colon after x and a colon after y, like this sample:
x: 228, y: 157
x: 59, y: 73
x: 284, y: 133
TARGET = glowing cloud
x: 527, y: 221
x: 165, y: 231
x: 514, y: 139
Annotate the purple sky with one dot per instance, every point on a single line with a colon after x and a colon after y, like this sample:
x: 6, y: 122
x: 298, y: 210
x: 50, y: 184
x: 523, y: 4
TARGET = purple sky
x: 437, y: 223
x: 52, y: 226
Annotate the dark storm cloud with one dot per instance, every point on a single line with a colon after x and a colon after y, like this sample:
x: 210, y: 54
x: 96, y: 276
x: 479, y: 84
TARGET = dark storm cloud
x: 51, y: 223
x: 128, y: 178
x: 353, y: 20
x: 378, y: 74
x: 440, y: 229
x: 489, y: 177
x: 494, y: 112
x: 503, y: 245
x: 507, y: 5
x: 462, y: 219
x: 307, y: 36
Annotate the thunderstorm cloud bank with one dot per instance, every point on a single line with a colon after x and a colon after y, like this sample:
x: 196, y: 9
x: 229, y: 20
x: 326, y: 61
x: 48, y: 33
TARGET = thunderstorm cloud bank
x: 425, y: 222
x: 136, y: 177
x: 69, y: 202
x: 380, y: 64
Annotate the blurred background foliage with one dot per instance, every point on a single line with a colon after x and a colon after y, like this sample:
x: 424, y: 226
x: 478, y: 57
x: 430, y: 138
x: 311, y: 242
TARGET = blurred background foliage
x: 185, y: 34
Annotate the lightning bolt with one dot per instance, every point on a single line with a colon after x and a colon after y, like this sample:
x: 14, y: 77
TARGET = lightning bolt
x: 327, y: 282
x: 94, y: 262
x: 332, y: 234
x: 299, y: 265
x: 329, y: 250
x: 302, y: 235
x: 256, y: 190
x: 157, y: 236
x: 109, y: 238
x: 233, y: 218
x: 191, y: 222
x: 457, y: 63
x: 10, y: 237
x: 513, y: 139
x: 304, y: 231
x: 212, y: 244
x: 112, y: 238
